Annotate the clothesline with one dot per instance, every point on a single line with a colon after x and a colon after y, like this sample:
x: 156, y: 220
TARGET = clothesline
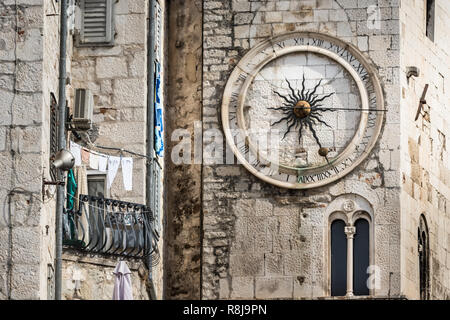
x: 104, y: 163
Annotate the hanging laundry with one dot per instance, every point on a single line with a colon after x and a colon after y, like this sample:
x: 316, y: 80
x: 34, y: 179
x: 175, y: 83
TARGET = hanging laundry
x: 102, y: 162
x: 82, y: 188
x: 93, y: 161
x: 68, y: 218
x: 113, y: 166
x: 85, y: 156
x: 75, y: 149
x: 159, y: 141
x: 127, y: 173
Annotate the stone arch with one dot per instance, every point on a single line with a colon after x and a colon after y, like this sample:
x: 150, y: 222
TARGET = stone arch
x: 348, y: 208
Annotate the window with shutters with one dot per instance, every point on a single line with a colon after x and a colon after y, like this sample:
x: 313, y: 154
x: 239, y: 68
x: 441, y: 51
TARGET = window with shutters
x: 96, y: 27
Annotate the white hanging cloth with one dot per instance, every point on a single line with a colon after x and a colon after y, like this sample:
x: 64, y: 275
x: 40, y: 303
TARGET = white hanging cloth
x: 122, y: 284
x: 127, y: 173
x: 102, y: 163
x: 113, y: 166
x: 75, y: 149
x: 93, y: 161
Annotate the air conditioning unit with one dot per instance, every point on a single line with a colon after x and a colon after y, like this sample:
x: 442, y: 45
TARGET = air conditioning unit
x: 83, y: 109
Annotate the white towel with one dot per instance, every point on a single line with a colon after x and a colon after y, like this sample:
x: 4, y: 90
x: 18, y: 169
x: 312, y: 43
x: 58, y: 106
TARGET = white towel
x: 113, y: 166
x: 102, y: 162
x: 93, y: 161
x: 127, y: 173
x: 122, y: 284
x: 75, y: 149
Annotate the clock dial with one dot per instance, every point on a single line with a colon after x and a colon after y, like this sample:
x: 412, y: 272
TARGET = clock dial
x: 302, y: 110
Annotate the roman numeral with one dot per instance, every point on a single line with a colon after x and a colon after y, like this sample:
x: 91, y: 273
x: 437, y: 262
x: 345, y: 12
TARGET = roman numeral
x: 317, y: 42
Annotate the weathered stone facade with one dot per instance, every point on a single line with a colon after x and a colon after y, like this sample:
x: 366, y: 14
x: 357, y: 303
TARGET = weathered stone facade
x: 183, y: 183
x: 265, y: 242
x: 424, y: 157
x: 117, y: 77
x: 28, y: 42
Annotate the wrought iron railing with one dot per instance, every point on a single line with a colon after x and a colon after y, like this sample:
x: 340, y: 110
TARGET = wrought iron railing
x: 111, y: 227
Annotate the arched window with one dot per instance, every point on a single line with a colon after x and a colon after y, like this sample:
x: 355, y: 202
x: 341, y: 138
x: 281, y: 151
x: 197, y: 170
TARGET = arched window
x: 361, y: 258
x: 338, y: 258
x: 424, y: 259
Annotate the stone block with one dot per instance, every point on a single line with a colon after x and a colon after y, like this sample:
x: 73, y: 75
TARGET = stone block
x: 244, y: 207
x: 273, y: 17
x: 289, y: 224
x: 263, y: 208
x: 218, y: 42
x: 26, y: 244
x: 282, y: 5
x: 344, y: 29
x: 7, y: 82
x: 7, y: 46
x: 32, y: 48
x: 111, y: 67
x: 224, y: 291
x: 242, y: 288
x: 241, y: 5
x: 247, y: 265
x: 274, y: 288
x: 3, y: 131
x: 241, y: 32
x: 273, y: 263
x: 137, y: 64
x: 130, y: 29
x: 7, y: 67
x: 137, y: 6
x: 129, y: 93
x: 27, y: 109
x: 294, y: 263
x: 29, y: 76
x: 25, y: 282
x: 5, y: 107
x: 228, y: 171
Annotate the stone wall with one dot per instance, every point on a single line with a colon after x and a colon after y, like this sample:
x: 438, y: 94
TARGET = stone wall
x: 425, y: 164
x: 183, y: 182
x: 92, y: 278
x: 27, y: 34
x: 260, y: 241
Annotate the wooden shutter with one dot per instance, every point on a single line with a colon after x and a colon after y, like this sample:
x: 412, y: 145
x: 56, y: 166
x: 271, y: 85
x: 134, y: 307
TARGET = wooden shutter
x: 96, y: 22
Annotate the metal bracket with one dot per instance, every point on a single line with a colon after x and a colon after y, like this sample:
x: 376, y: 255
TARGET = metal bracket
x: 422, y: 102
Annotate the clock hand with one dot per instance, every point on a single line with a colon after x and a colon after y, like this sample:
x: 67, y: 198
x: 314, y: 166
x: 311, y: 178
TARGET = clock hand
x: 348, y: 109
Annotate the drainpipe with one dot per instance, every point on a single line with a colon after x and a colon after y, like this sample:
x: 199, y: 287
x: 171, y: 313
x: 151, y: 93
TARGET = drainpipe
x: 61, y: 145
x: 150, y: 124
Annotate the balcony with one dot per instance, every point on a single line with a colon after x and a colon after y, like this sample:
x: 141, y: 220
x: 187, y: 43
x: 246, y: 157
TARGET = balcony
x: 111, y: 227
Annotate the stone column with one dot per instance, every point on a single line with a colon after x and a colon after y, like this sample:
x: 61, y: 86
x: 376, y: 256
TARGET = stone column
x: 350, y: 232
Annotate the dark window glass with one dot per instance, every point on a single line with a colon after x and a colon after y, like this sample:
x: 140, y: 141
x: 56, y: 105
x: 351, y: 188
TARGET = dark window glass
x: 96, y: 186
x: 338, y: 259
x: 424, y: 265
x: 361, y: 258
x: 430, y: 19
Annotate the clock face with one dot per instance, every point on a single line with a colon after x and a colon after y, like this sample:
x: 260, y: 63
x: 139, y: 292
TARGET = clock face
x: 302, y: 110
